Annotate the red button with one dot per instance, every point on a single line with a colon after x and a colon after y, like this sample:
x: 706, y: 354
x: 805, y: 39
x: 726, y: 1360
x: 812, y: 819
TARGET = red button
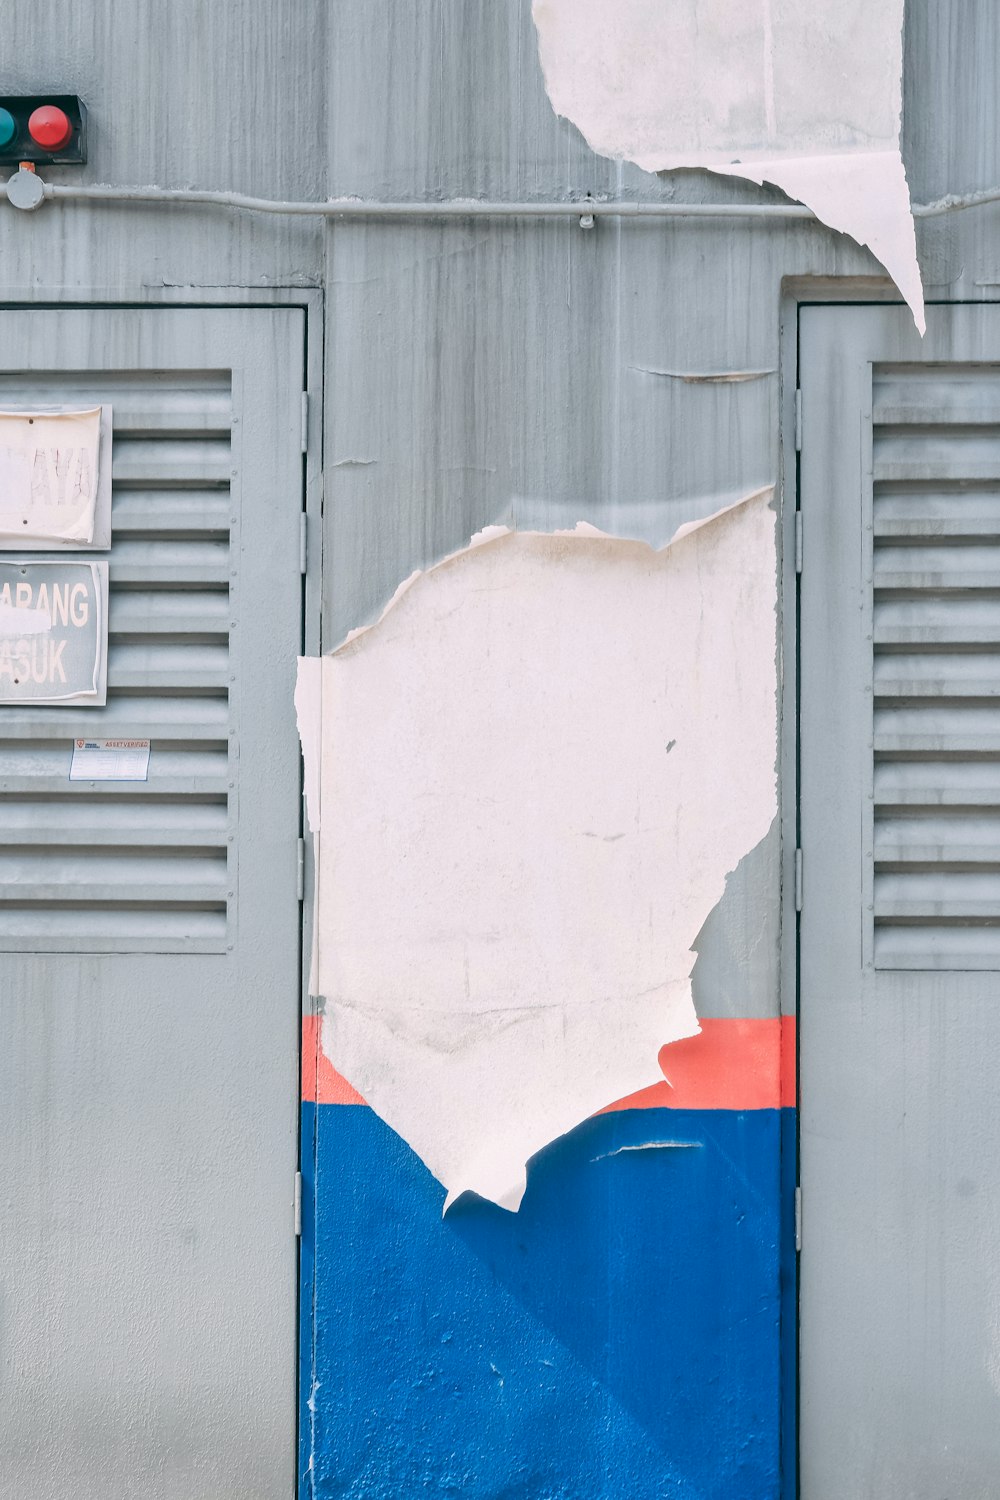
x: 49, y: 127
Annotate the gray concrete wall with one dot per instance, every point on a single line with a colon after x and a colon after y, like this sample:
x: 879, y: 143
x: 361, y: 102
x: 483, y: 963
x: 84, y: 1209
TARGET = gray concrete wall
x: 184, y: 95
x: 477, y: 372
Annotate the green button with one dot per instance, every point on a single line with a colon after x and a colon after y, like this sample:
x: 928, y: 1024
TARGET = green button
x: 8, y: 128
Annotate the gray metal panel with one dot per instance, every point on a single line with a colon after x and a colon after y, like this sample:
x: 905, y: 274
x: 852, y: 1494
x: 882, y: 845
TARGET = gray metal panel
x: 898, y: 1107
x: 150, y: 1101
x: 89, y: 866
x: 935, y: 572
x: 447, y: 98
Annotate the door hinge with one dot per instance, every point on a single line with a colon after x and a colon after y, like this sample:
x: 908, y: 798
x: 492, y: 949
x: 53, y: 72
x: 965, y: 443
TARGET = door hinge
x: 798, y: 541
x: 303, y: 543
x: 798, y: 880
x: 300, y: 869
x: 798, y: 421
x: 297, y: 1205
x: 798, y: 1218
x: 305, y: 421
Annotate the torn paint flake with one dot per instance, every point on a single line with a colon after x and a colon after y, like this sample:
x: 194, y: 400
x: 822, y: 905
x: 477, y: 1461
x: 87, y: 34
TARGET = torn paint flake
x: 308, y: 704
x: 804, y: 94
x: 647, y: 1146
x: 704, y: 377
x: 513, y: 868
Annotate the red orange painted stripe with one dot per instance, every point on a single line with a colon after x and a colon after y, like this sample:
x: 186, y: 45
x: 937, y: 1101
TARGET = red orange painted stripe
x: 321, y: 1083
x: 731, y: 1064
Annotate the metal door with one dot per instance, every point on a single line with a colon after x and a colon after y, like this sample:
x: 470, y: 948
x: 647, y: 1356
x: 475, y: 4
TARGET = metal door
x: 900, y: 922
x: 150, y: 938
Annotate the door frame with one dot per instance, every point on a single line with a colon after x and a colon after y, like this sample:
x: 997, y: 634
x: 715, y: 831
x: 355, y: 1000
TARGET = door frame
x: 311, y: 302
x: 798, y: 292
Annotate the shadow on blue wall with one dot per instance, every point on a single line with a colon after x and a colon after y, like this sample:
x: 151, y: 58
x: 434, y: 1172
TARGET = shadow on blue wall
x: 618, y: 1337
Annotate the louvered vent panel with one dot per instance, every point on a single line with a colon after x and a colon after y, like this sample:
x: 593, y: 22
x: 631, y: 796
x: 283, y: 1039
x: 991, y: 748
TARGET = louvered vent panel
x: 936, y: 644
x: 133, y: 866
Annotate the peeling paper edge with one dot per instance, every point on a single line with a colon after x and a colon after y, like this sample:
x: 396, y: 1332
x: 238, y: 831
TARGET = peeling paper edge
x: 510, y: 1197
x: 39, y: 541
x: 849, y: 182
x: 844, y: 194
x: 479, y: 539
x: 585, y: 529
x: 839, y: 190
x: 308, y: 701
x: 309, y: 712
x: 48, y: 411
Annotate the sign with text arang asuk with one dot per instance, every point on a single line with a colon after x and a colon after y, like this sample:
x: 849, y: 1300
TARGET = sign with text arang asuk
x: 55, y: 479
x: 54, y: 633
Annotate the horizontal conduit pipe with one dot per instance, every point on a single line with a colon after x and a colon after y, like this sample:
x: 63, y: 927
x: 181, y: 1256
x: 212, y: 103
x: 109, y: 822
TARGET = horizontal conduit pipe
x: 585, y: 209
x: 452, y: 208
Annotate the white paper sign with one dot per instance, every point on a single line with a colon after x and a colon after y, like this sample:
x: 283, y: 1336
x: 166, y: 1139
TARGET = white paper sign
x: 109, y: 760
x: 53, y: 632
x: 50, y: 478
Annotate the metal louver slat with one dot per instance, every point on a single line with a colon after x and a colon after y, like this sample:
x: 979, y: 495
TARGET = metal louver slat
x: 173, y: 564
x: 936, y: 668
x: 170, y: 513
x: 137, y: 866
x: 170, y: 462
x: 196, y: 615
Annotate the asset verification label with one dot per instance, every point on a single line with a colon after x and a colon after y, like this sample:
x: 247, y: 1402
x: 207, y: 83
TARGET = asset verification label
x: 109, y: 760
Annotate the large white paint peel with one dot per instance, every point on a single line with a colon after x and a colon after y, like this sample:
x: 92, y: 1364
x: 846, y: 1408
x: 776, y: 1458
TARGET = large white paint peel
x: 533, y: 775
x: 805, y: 94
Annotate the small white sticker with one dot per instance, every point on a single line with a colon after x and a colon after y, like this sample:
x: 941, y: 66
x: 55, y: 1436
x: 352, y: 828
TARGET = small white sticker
x: 109, y: 760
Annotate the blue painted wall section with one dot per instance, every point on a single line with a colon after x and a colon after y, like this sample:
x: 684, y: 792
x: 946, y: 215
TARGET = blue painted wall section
x: 619, y: 1337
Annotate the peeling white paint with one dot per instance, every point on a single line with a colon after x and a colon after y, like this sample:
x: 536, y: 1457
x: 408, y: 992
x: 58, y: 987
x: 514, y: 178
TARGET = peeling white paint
x: 653, y: 519
x: 308, y: 712
x: 804, y: 94
x: 309, y: 715
x: 534, y: 773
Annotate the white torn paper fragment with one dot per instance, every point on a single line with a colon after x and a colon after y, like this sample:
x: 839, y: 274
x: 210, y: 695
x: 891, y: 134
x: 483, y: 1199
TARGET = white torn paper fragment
x: 804, y: 94
x: 49, y: 475
x: 536, y: 770
x: 308, y: 712
x: 16, y: 620
x: 309, y: 715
